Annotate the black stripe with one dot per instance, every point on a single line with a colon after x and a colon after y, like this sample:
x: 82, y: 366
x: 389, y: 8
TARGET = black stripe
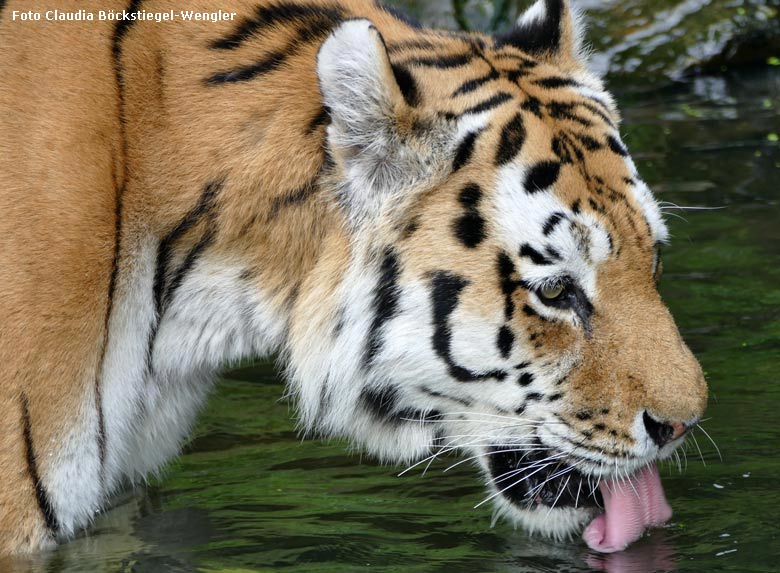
x: 475, y: 84
x: 410, y: 228
x: 41, y: 495
x: 435, y: 394
x: 536, y: 257
x: 515, y: 75
x: 166, y: 246
x: 494, y: 101
x: 506, y: 272
x: 270, y: 63
x: 522, y: 60
x: 412, y: 45
x: 596, y: 206
x: 407, y: 84
x: 316, y: 30
x: 161, y: 288
x: 602, y: 114
x: 505, y: 340
x: 273, y: 17
x: 616, y: 146
x: 383, y: 404
x: 441, y: 62
x: 380, y: 402
x: 552, y: 222
x: 300, y: 195
x: 120, y: 31
x: 101, y: 421
x: 512, y: 138
x: 561, y: 150
x: 470, y: 227
x: 385, y: 304
x: 561, y: 110
x: 322, y: 118
x: 556, y: 82
x: 553, y: 253
x: 541, y: 176
x: 526, y: 379
x: 465, y: 150
x: 446, y: 290
x: 590, y: 143
x: 188, y: 264
x: 573, y: 146
x: 533, y: 105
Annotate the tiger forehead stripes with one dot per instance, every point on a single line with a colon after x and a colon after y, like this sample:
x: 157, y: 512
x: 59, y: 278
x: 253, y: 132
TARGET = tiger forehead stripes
x: 441, y: 234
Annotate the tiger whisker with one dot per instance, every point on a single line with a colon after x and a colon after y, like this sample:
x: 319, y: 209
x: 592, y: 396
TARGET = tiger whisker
x: 446, y: 448
x: 577, y: 497
x: 431, y: 457
x: 527, y: 466
x: 509, y: 486
x: 555, y: 475
x: 664, y: 205
x: 711, y: 440
x: 485, y: 454
x: 486, y: 414
x: 560, y: 492
x: 631, y: 483
x: 678, y: 461
x: 696, y: 443
x: 676, y: 215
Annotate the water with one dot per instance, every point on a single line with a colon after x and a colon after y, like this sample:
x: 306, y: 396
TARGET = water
x: 249, y: 495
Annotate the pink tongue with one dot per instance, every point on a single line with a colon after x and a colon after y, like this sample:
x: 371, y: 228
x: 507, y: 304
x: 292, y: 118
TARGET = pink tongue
x: 631, y: 506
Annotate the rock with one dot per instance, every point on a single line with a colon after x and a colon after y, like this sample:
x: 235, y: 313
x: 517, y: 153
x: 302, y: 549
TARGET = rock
x: 641, y: 42
x: 644, y: 43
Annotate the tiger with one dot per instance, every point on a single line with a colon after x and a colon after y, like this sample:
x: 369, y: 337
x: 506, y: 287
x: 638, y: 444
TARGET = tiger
x: 439, y: 235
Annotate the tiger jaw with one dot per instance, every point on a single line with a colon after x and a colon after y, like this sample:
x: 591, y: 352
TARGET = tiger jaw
x: 540, y: 492
x: 540, y: 477
x: 552, y: 494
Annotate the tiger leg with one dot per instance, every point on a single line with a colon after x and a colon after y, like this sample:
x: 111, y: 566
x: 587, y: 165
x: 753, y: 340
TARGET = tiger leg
x: 59, y: 167
x: 23, y: 526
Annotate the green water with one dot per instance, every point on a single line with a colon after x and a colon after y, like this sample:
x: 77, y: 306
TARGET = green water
x: 250, y: 495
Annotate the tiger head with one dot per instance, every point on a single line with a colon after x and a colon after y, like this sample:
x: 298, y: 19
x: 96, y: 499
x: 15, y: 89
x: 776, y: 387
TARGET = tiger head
x: 501, y: 292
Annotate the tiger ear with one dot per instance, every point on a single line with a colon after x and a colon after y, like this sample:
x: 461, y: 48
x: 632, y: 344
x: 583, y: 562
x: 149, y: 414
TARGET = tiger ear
x: 369, y: 115
x: 550, y: 30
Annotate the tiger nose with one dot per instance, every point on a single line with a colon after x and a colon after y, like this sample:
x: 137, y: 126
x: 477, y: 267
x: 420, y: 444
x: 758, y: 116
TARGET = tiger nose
x: 663, y: 432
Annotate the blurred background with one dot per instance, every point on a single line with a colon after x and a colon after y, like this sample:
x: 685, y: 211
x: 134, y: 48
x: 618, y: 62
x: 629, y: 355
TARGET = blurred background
x: 641, y: 42
x: 698, y: 83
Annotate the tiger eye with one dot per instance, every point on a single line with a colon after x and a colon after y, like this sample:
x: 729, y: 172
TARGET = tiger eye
x: 551, y: 292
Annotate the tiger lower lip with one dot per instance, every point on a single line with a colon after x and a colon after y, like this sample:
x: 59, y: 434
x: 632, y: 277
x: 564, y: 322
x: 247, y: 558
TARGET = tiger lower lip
x: 533, y: 478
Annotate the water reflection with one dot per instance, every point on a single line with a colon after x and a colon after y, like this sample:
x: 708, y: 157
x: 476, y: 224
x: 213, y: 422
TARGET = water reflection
x: 653, y: 553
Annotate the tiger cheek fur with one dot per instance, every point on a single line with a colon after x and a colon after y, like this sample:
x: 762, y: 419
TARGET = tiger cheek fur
x: 440, y: 234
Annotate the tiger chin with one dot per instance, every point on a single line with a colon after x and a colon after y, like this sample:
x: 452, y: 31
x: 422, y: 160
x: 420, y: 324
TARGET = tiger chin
x: 440, y: 233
